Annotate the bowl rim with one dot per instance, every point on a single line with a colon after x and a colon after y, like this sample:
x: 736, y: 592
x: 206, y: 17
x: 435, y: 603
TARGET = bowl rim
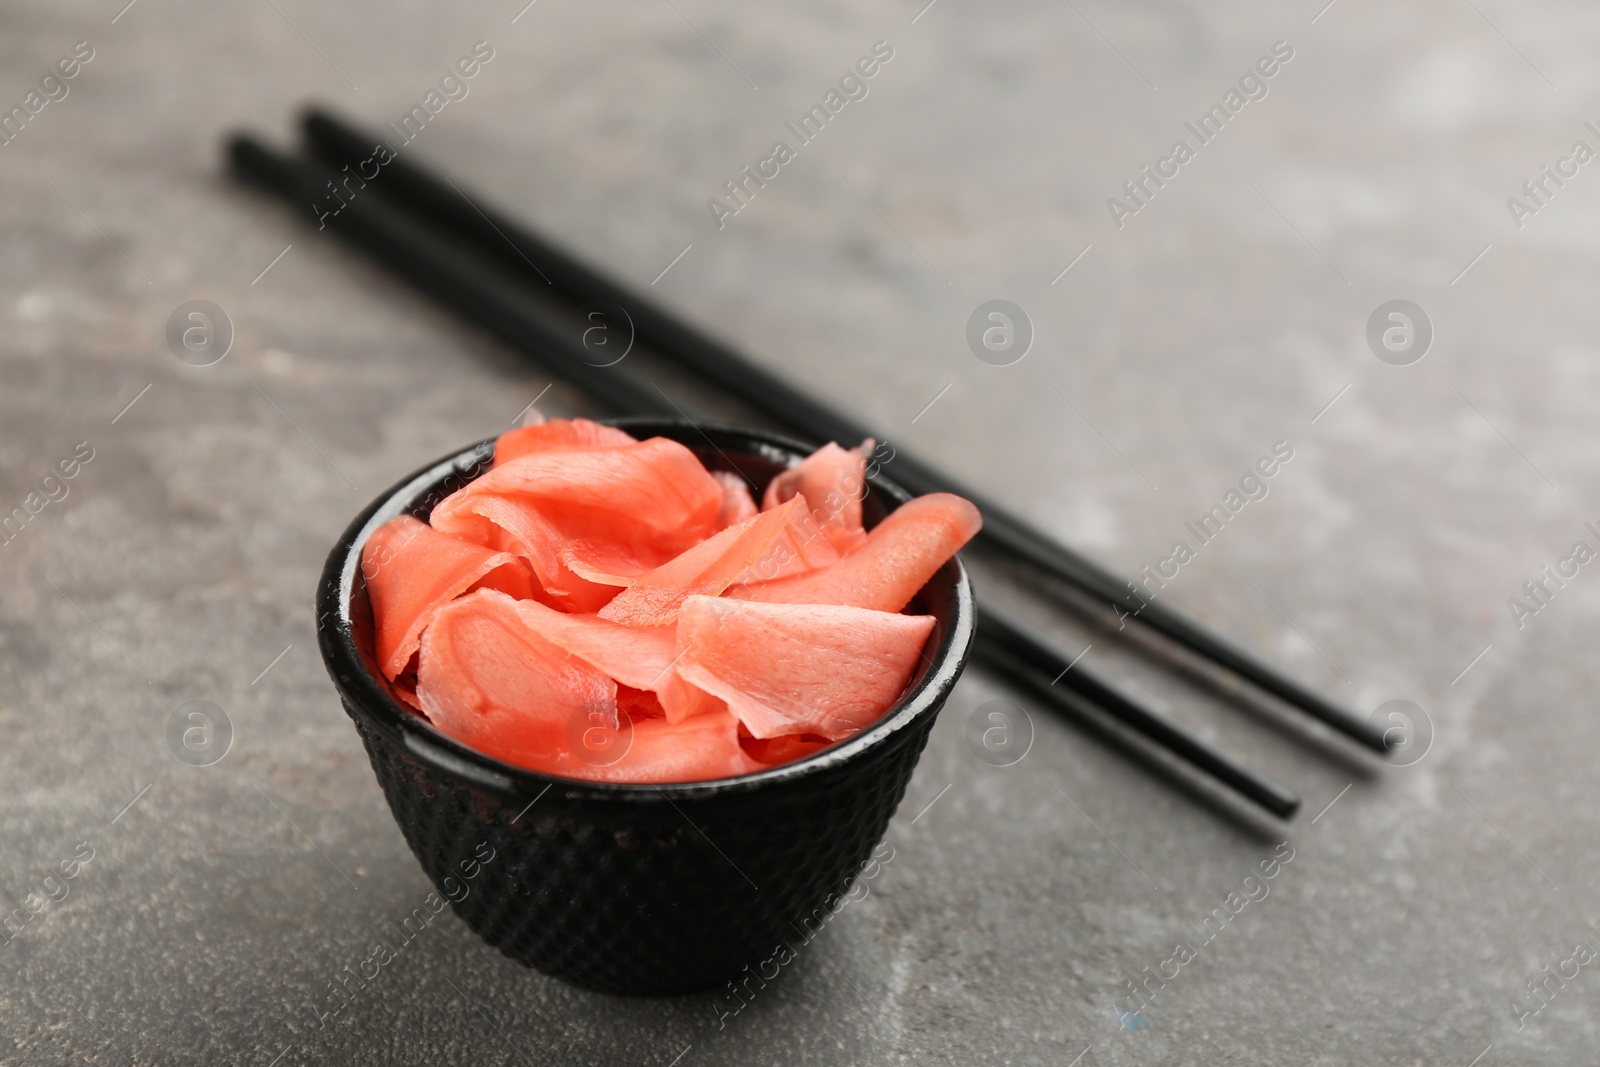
x: 362, y: 692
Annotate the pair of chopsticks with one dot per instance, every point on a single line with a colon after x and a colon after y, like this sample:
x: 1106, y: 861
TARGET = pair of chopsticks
x: 498, y: 275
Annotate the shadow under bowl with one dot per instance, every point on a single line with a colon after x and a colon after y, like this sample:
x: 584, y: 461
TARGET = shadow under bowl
x: 626, y: 888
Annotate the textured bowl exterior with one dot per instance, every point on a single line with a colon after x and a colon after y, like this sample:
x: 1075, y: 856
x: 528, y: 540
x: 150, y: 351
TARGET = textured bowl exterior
x: 633, y: 888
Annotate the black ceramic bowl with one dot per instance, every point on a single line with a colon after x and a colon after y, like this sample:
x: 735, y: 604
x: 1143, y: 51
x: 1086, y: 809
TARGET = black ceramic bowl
x: 635, y: 888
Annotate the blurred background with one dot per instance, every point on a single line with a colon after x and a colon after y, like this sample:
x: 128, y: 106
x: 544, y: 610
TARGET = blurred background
x: 1175, y: 342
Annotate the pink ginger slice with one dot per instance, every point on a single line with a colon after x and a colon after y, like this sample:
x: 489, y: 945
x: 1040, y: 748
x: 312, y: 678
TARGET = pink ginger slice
x: 656, y: 483
x: 698, y: 749
x: 900, y: 554
x: 833, y: 482
x: 491, y: 681
x: 557, y: 435
x: 783, y: 669
x: 708, y: 568
x: 410, y: 569
x: 737, y: 503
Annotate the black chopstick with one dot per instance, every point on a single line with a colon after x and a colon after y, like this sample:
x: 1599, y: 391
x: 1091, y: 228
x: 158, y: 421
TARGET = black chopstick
x: 519, y: 249
x: 444, y: 272
x: 419, y: 256
x: 1004, y: 643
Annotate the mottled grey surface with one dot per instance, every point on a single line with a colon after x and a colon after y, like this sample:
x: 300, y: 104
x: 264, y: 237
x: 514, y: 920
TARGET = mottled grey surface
x: 1224, y: 316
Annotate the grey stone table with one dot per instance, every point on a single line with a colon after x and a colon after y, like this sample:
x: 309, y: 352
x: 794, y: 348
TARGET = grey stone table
x: 1186, y: 319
